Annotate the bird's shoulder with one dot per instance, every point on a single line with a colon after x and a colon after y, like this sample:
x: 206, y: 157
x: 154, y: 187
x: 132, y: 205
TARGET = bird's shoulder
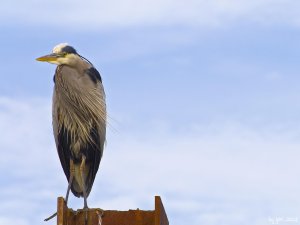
x: 69, y: 75
x: 94, y: 74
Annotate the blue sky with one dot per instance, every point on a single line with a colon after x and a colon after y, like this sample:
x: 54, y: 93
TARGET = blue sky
x: 202, y: 98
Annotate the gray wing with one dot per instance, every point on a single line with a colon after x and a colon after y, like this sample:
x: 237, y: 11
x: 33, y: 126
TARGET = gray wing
x: 94, y: 99
x: 94, y: 149
x: 62, y: 138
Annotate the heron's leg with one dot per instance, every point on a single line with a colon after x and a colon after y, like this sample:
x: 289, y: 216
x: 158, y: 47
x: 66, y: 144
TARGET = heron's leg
x: 72, y: 171
x: 82, y: 168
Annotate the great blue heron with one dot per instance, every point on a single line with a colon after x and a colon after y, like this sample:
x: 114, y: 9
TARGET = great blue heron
x: 79, y: 118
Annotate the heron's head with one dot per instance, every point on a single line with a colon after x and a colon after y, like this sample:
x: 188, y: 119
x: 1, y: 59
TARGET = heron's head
x: 62, y: 54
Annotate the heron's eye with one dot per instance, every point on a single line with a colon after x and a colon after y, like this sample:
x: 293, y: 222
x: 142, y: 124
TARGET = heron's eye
x: 62, y: 54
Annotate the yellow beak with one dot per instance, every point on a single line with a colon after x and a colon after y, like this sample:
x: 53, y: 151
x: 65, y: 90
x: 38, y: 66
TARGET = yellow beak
x: 48, y: 58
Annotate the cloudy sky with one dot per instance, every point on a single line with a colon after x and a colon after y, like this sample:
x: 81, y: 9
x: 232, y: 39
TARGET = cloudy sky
x: 203, y: 100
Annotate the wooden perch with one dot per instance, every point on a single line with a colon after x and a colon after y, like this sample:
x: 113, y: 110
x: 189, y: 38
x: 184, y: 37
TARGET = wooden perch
x: 66, y: 216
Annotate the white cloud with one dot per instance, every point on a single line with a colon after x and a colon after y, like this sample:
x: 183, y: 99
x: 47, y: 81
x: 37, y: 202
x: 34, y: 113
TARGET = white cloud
x: 223, y: 173
x: 245, y: 160
x: 116, y: 13
x: 15, y: 221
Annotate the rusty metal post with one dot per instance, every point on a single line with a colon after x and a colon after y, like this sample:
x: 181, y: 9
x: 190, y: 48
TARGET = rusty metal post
x: 66, y: 216
x: 160, y: 213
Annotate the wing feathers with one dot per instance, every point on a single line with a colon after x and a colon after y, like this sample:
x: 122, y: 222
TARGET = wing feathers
x: 79, y: 122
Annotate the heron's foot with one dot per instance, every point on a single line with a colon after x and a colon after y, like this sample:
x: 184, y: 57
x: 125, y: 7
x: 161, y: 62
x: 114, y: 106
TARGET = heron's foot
x: 100, y: 213
x: 85, y: 210
x: 51, y: 217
